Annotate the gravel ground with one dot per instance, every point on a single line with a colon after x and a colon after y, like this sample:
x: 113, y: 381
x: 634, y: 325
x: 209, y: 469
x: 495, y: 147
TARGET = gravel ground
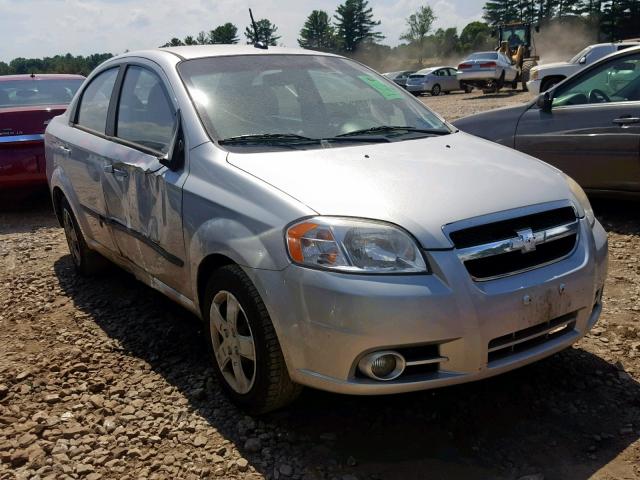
x: 105, y: 378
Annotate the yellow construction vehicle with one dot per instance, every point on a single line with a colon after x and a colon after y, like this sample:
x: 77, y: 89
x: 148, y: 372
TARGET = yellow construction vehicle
x: 516, y: 42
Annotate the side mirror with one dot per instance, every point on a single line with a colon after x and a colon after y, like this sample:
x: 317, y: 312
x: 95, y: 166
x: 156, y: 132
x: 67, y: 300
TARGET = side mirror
x: 583, y: 60
x: 174, y: 158
x: 544, y: 102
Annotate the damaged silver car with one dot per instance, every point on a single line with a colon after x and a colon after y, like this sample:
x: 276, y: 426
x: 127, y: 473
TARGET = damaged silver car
x: 328, y: 228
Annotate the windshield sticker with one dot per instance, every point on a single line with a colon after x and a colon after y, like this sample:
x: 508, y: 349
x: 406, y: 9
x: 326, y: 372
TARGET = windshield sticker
x: 382, y: 88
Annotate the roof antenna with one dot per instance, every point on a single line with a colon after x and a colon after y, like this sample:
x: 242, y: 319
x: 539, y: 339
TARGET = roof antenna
x: 257, y: 43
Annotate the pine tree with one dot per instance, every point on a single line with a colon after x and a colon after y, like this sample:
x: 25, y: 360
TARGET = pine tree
x: 266, y: 33
x: 355, y: 24
x: 317, y: 32
x: 224, y: 34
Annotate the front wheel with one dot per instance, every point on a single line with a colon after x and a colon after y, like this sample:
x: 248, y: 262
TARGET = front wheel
x: 435, y: 91
x: 247, y: 357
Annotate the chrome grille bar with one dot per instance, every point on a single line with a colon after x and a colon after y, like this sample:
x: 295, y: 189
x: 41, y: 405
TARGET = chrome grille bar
x: 517, y: 243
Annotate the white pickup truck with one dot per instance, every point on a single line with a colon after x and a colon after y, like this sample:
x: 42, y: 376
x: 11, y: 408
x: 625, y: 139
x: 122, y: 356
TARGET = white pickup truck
x: 543, y: 77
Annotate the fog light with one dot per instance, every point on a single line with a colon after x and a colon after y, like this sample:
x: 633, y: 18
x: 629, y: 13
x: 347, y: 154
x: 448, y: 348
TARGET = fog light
x: 382, y: 365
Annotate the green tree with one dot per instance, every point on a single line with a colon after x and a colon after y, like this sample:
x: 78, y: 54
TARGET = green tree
x: 189, y: 40
x: 202, y: 38
x: 355, y: 24
x: 266, y: 33
x: 419, y: 25
x: 476, y: 36
x: 317, y: 32
x: 174, y: 42
x: 501, y: 11
x: 447, y: 42
x: 224, y: 34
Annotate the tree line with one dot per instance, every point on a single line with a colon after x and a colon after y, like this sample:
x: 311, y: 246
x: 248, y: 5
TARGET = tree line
x: 353, y: 30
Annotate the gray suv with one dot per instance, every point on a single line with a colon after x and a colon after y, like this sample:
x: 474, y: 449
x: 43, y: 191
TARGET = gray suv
x: 328, y: 228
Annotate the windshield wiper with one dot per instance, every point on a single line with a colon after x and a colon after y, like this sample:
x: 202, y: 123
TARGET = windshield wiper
x: 265, y: 138
x: 292, y: 140
x: 398, y: 129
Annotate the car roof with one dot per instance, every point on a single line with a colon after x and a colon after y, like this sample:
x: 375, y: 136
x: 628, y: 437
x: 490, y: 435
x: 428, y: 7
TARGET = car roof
x: 202, y: 51
x: 41, y: 76
x: 616, y: 44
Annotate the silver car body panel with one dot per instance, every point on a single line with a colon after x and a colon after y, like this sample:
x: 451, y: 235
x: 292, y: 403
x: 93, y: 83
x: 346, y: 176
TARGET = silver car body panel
x: 236, y: 206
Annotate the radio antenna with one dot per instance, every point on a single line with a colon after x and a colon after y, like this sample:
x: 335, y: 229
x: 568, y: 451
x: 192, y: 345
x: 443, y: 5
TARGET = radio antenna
x: 256, y: 35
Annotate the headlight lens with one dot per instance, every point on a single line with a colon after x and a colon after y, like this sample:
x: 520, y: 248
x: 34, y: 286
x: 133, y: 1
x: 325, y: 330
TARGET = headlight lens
x: 582, y: 199
x: 534, y: 74
x: 353, y: 245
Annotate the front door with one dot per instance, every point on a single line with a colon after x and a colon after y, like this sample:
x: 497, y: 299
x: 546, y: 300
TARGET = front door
x: 593, y: 130
x: 143, y: 197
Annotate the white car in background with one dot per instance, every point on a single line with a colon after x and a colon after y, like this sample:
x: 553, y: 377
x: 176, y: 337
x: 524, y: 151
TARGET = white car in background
x: 489, y: 71
x: 543, y: 77
x: 435, y: 80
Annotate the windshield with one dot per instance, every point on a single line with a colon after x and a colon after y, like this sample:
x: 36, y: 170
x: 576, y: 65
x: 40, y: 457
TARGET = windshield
x: 22, y: 93
x: 582, y: 53
x: 483, y: 56
x: 310, y: 96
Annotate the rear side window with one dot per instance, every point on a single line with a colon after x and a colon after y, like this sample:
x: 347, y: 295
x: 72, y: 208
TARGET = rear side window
x: 94, y: 104
x: 22, y: 93
x: 145, y: 114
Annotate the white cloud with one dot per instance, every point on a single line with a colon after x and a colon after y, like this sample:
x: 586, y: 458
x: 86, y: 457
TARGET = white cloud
x: 37, y: 28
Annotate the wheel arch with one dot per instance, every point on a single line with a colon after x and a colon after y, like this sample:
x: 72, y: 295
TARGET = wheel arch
x: 206, y: 267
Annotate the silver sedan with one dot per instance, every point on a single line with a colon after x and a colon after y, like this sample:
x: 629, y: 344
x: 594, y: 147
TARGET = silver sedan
x: 327, y: 227
x: 435, y: 80
x: 489, y: 71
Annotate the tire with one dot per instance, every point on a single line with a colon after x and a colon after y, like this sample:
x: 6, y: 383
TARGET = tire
x: 259, y: 384
x: 468, y: 89
x: 87, y: 262
x: 436, y: 90
x: 526, y: 74
x: 500, y: 82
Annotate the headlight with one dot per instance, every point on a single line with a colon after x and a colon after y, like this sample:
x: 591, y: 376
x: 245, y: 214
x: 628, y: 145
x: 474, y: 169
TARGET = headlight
x: 582, y: 199
x: 354, y: 245
x: 534, y: 74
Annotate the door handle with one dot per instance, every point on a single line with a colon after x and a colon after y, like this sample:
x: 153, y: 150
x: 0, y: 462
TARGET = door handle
x: 626, y: 120
x: 117, y: 172
x: 63, y: 149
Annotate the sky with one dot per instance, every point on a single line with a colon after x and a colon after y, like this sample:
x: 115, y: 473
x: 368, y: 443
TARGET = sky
x: 38, y: 28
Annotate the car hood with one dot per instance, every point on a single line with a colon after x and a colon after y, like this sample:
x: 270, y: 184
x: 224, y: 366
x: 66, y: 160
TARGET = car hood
x: 421, y: 184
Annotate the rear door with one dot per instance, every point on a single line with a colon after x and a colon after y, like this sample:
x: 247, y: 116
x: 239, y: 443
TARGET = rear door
x: 593, y: 130
x: 83, y: 151
x: 144, y: 198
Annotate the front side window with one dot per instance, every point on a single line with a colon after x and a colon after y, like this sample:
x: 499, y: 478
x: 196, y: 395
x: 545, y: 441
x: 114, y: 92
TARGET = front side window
x: 145, y: 115
x: 317, y: 97
x: 617, y: 80
x: 94, y: 105
x: 22, y: 93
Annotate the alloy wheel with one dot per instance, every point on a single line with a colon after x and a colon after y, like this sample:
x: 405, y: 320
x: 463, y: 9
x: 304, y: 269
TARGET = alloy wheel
x: 233, y: 342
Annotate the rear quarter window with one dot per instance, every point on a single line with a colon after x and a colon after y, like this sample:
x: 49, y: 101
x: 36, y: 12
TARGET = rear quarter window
x: 94, y: 104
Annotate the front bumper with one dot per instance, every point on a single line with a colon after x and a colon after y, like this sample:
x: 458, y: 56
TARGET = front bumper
x: 534, y: 86
x: 327, y: 321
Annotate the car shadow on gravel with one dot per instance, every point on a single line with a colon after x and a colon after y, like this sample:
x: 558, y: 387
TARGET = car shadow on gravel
x: 563, y: 417
x: 500, y: 94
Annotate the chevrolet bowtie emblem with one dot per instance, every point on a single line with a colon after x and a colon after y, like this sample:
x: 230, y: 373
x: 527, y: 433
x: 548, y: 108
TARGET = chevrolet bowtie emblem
x: 526, y: 241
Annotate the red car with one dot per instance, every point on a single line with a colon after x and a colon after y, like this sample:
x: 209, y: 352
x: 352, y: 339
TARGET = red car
x: 27, y: 103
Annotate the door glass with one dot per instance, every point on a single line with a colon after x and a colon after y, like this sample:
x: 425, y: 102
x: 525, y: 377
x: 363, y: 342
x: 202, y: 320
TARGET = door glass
x: 617, y: 80
x: 95, y: 101
x: 145, y: 114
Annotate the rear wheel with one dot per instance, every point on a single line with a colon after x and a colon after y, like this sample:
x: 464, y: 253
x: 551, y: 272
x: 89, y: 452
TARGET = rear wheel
x: 468, y: 89
x: 247, y: 357
x: 86, y: 261
x: 436, y: 90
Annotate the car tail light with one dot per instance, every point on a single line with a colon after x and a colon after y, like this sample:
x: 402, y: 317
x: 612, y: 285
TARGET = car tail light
x: 462, y: 66
x: 488, y: 65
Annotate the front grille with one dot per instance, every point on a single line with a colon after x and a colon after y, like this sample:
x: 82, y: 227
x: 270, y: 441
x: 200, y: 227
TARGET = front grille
x: 491, y: 232
x: 517, y: 244
x: 522, y: 340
